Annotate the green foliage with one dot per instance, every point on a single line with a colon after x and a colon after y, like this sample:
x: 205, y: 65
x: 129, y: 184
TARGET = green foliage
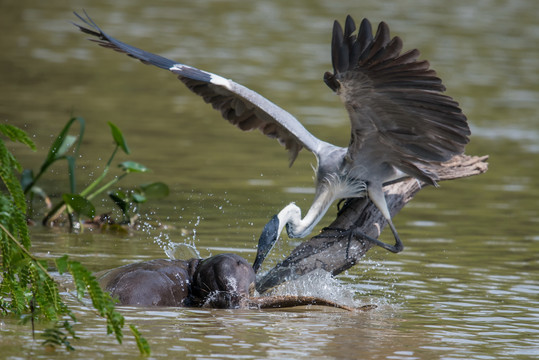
x: 26, y: 287
x: 119, y: 138
x: 79, y: 204
x: 16, y: 134
x: 13, y: 205
x: 73, y: 203
x: 131, y: 166
x: 85, y: 282
x: 142, y: 344
x: 58, y: 151
x: 58, y: 335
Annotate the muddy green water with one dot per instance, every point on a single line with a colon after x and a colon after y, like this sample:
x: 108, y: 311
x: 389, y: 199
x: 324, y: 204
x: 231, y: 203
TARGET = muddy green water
x: 467, y: 284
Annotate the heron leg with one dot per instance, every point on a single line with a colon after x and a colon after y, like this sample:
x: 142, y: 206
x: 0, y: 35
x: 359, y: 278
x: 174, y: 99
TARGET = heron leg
x: 376, y: 194
x: 360, y: 235
x: 397, y: 248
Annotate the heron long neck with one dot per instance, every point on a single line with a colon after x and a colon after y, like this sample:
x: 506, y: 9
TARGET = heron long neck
x: 328, y: 190
x: 298, y: 227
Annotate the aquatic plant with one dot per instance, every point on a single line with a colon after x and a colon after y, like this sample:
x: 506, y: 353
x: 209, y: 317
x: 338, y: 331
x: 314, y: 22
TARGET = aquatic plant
x: 73, y: 203
x: 27, y: 289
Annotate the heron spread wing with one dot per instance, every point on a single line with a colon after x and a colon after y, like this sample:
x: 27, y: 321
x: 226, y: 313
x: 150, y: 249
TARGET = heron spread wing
x: 394, y: 100
x: 239, y: 105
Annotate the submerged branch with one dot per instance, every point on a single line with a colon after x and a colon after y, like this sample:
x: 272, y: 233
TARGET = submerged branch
x: 276, y: 302
x: 334, y: 253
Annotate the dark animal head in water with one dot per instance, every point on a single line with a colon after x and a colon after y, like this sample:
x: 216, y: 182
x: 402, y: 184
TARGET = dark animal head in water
x: 222, y: 281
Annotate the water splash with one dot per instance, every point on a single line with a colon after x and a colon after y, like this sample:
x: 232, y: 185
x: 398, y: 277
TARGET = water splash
x: 181, y: 251
x: 318, y: 283
x: 178, y: 250
x: 375, y: 279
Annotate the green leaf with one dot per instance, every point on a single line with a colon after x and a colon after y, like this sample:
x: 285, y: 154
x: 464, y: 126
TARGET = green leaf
x: 15, y: 218
x: 119, y: 138
x: 63, y: 142
x: 67, y: 143
x: 79, y: 204
x: 155, y: 190
x: 16, y: 134
x: 61, y: 264
x: 131, y: 166
x: 142, y: 344
x: 119, y: 199
x: 71, y: 172
x: 138, y: 198
x: 79, y: 273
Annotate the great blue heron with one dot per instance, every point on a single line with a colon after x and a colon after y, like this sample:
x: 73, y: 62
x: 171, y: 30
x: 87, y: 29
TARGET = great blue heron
x: 401, y: 121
